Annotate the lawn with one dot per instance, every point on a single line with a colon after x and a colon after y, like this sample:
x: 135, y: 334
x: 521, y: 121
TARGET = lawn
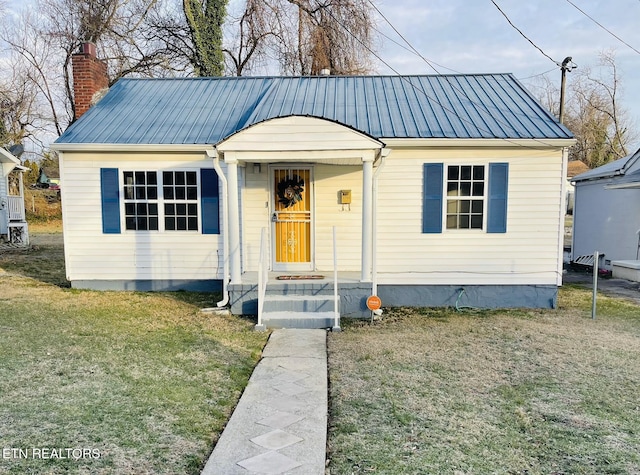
x: 507, y: 392
x: 129, y: 383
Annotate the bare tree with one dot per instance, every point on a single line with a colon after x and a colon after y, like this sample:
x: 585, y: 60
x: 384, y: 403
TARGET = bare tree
x: 593, y: 112
x: 302, y: 37
x: 596, y: 116
x: 247, y: 36
x: 34, y: 86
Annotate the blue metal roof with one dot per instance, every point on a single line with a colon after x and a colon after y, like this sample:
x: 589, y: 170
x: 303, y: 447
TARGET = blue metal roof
x: 616, y: 168
x: 208, y: 110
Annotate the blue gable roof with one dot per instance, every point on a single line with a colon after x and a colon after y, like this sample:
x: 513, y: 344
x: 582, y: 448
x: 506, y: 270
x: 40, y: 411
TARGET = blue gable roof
x: 208, y: 110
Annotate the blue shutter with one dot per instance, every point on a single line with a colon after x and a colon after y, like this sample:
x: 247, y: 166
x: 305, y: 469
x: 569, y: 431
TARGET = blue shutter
x: 432, y: 198
x: 110, y: 191
x: 497, y: 209
x: 210, y: 200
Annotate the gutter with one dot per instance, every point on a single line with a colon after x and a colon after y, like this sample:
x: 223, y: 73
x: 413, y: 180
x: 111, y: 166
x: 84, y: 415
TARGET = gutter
x: 212, y: 153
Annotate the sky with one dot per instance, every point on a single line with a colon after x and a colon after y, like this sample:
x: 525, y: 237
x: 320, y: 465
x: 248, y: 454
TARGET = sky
x: 472, y: 36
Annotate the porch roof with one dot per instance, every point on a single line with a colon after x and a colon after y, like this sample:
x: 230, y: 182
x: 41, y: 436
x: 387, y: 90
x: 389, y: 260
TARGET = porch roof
x: 209, y: 110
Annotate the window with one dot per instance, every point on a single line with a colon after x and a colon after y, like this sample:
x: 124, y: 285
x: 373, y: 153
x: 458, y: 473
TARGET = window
x: 141, y: 201
x: 470, y: 196
x: 465, y: 196
x: 180, y: 200
x: 177, y: 208
x: 180, y: 192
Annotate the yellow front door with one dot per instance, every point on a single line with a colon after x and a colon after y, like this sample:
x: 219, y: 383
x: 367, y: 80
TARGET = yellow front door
x: 291, y: 195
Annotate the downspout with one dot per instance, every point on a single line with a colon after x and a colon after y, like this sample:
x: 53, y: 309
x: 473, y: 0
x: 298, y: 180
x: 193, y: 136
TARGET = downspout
x: 384, y: 152
x: 225, y: 228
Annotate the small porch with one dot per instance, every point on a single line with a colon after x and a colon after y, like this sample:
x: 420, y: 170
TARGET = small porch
x: 288, y: 182
x: 14, y: 229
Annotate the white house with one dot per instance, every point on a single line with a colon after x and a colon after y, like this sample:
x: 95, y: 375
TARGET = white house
x: 13, y: 225
x: 443, y: 190
x: 606, y: 215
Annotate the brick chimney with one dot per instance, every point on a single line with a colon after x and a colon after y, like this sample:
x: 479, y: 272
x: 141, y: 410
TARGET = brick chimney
x: 89, y: 77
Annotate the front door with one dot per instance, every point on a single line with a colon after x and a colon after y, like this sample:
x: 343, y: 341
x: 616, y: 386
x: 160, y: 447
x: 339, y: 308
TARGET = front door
x: 291, y: 196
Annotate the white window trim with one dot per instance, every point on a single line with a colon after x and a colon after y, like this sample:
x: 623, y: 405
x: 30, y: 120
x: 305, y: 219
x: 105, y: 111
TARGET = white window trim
x: 484, y: 198
x: 161, y: 201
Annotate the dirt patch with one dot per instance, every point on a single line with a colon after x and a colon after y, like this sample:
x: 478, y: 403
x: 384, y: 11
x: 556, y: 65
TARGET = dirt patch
x: 614, y: 287
x: 48, y: 239
x: 43, y: 260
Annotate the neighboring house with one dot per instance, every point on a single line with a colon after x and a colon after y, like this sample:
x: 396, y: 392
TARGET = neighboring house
x: 443, y: 190
x: 606, y: 216
x: 13, y: 225
x: 49, y: 177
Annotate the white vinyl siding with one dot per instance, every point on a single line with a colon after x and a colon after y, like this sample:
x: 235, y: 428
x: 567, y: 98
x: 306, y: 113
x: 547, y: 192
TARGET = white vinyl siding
x: 297, y: 133
x: 92, y: 255
x: 526, y: 254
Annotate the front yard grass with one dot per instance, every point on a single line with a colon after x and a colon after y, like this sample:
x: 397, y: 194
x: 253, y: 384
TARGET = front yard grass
x: 144, y: 380
x: 503, y: 392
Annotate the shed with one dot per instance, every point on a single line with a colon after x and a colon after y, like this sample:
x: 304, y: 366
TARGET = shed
x: 607, y: 211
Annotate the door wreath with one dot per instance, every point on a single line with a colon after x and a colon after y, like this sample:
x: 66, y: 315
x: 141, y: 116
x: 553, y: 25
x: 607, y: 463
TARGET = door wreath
x: 290, y: 190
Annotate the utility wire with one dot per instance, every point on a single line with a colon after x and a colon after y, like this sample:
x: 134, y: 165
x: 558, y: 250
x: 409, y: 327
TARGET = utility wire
x: 403, y: 38
x: 538, y: 75
x: 411, y: 48
x: 523, y: 35
x: 601, y: 26
x: 435, y: 100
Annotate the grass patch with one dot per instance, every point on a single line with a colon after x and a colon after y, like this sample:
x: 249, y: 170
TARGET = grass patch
x: 43, y: 260
x: 522, y: 391
x: 143, y: 378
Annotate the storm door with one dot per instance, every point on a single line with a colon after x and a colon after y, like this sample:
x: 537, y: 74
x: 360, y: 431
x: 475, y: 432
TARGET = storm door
x: 292, y: 218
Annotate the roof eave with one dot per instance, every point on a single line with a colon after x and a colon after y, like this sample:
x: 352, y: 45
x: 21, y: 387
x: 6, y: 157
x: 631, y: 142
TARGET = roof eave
x: 122, y: 147
x: 460, y: 142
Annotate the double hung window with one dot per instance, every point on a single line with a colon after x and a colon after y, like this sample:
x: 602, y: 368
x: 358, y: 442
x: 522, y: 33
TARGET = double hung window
x: 141, y: 201
x: 180, y: 193
x: 465, y: 196
x: 461, y: 197
x: 174, y: 209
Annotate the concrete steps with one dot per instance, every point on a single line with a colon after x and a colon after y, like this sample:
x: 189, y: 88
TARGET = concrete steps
x: 298, y: 311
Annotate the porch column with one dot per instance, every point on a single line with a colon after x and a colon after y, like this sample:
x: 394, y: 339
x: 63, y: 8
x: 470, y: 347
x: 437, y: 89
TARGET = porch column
x: 367, y: 218
x: 235, y: 270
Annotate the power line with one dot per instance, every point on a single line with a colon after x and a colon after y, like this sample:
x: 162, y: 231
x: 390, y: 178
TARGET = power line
x: 521, y: 33
x: 540, y: 74
x: 601, y: 26
x: 411, y: 49
x: 434, y: 100
x: 429, y: 63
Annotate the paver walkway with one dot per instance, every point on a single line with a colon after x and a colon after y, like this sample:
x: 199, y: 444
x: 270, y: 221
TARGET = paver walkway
x: 280, y: 423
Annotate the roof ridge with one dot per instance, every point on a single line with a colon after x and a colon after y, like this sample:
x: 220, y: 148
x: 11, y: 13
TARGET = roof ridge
x: 248, y: 78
